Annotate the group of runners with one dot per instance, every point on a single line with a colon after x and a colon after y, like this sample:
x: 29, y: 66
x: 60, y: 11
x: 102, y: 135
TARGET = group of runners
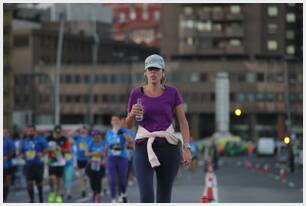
x: 93, y: 157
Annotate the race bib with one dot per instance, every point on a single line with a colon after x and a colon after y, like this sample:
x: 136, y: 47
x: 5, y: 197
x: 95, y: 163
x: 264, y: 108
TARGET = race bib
x: 30, y: 154
x: 83, y: 145
x: 116, y: 152
x: 96, y: 158
x: 95, y: 165
x: 68, y: 156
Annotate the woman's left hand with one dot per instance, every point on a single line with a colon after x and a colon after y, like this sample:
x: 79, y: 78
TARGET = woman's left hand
x: 186, y: 153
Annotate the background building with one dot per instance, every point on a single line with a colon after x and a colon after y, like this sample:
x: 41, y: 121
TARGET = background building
x: 232, y: 29
x: 139, y: 23
x: 8, y: 75
x: 254, y: 43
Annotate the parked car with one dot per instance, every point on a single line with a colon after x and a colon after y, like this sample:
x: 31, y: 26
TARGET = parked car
x: 266, y: 146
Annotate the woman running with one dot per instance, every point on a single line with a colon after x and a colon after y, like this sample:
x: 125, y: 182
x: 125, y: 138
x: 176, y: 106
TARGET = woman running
x: 156, y: 148
x: 96, y: 151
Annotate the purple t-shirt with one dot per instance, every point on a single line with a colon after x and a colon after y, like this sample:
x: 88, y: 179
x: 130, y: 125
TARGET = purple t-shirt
x: 158, y: 111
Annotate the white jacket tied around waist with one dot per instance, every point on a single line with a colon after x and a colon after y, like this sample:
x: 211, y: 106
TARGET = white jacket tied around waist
x: 142, y: 133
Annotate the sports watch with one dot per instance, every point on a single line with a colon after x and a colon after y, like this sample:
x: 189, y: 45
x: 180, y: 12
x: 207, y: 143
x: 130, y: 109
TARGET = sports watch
x: 187, y: 146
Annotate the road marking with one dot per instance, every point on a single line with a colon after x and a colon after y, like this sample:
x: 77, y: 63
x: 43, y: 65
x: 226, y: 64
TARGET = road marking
x: 83, y: 199
x: 291, y: 184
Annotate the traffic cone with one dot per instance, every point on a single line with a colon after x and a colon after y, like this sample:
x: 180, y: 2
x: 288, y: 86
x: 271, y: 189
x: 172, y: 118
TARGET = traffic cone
x: 203, y: 199
x: 209, y: 192
x: 266, y: 168
x: 282, y: 175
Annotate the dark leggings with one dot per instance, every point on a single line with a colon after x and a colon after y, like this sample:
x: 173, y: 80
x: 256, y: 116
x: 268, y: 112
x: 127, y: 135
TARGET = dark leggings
x: 169, y: 158
x: 95, y: 178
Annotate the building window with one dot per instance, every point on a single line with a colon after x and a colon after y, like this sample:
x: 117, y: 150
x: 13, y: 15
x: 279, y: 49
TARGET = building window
x: 251, y: 77
x: 241, y: 77
x: 86, y: 79
x: 290, y: 17
x: 133, y: 14
x: 251, y: 97
x: 201, y: 26
x: 290, y: 34
x: 272, y: 28
x: 67, y: 79
x: 156, y: 15
x: 203, y: 77
x: 77, y: 79
x: 145, y: 15
x: 188, y: 10
x: 194, y: 77
x: 204, y: 26
x: 260, y: 96
x: 272, y: 45
x: 235, y: 42
x: 190, y: 24
x: 122, y: 17
x: 217, y: 27
x: 292, y: 4
x: 290, y: 49
x: 235, y: 9
x: 260, y: 77
x: 241, y: 97
x: 190, y: 41
x: 272, y: 11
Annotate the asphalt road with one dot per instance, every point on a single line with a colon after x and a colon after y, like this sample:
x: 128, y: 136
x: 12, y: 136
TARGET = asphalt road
x: 236, y: 183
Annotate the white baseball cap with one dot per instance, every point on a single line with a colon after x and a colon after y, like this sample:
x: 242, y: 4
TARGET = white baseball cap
x: 156, y: 61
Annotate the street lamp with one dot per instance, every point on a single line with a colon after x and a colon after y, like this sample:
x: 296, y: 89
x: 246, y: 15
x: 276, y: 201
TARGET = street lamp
x: 287, y: 140
x: 238, y: 112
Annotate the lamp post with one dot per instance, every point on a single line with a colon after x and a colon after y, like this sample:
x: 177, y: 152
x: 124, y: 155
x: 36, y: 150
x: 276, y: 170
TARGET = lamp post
x: 57, y: 82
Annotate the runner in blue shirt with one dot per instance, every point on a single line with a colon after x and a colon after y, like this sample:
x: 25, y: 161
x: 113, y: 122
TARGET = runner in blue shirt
x: 96, y: 151
x: 117, y: 162
x: 82, y: 140
x: 33, y: 148
x: 8, y: 152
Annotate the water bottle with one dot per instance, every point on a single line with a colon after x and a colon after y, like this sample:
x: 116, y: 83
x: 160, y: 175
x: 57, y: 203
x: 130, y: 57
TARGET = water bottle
x: 139, y: 118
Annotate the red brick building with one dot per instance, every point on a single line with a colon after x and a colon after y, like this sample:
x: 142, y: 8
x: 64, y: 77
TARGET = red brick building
x: 139, y: 23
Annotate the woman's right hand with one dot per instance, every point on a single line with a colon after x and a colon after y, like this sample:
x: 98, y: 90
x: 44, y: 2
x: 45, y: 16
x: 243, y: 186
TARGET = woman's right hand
x: 137, y: 109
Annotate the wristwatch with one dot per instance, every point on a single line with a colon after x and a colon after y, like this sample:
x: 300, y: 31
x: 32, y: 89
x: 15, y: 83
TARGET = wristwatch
x: 187, y: 146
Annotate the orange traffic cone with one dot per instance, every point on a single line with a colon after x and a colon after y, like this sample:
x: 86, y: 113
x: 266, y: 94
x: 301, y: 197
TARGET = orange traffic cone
x: 209, y: 192
x: 266, y: 168
x: 203, y: 199
x: 282, y: 175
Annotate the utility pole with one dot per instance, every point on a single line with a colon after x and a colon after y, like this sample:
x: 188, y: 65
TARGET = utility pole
x: 90, y: 119
x: 57, y: 70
